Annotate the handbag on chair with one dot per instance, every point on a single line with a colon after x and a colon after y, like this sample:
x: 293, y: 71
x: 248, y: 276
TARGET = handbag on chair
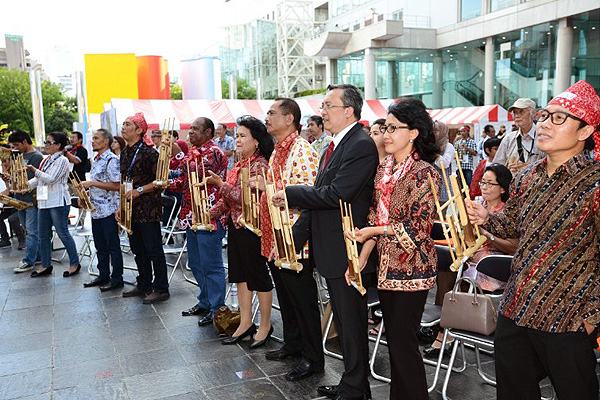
x: 473, y: 312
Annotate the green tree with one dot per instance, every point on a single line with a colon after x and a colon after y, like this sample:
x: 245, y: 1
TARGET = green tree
x: 176, y: 92
x: 244, y: 90
x: 16, y: 109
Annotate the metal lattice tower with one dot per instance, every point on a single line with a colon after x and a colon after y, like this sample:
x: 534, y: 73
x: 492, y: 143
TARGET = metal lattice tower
x: 294, y: 26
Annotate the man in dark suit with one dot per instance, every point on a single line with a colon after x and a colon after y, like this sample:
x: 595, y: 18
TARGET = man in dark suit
x: 346, y: 172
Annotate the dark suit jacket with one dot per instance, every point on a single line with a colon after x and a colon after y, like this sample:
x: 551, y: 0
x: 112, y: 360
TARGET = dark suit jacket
x: 349, y: 175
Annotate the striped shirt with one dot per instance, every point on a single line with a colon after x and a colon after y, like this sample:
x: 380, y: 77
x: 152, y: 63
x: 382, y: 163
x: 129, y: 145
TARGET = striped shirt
x: 554, y: 284
x: 54, y: 174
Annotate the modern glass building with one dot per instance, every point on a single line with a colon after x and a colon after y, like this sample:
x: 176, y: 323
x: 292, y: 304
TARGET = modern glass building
x: 460, y: 52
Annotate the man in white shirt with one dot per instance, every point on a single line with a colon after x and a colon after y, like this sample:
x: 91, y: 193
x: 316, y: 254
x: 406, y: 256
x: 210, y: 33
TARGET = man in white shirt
x: 519, y: 147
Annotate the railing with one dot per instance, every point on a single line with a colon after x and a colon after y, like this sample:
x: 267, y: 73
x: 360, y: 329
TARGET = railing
x: 410, y: 21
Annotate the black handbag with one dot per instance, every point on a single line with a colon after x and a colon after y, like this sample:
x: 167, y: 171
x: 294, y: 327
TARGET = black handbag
x: 472, y: 312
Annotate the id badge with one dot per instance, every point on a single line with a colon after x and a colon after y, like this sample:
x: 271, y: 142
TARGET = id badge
x: 42, y: 192
x: 466, y: 158
x: 128, y: 186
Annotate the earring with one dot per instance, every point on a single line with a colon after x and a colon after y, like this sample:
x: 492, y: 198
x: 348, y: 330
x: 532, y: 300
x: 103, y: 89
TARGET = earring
x: 410, y: 141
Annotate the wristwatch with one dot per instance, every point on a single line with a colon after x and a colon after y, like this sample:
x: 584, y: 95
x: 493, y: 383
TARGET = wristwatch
x: 385, y: 231
x: 140, y: 189
x: 492, y: 238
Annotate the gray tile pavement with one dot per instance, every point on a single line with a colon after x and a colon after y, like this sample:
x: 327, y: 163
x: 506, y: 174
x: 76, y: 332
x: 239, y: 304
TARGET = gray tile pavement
x: 59, y: 340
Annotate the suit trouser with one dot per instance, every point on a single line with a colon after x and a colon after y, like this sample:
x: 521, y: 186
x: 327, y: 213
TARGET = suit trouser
x: 298, y: 302
x: 525, y: 356
x: 350, y: 317
x: 402, y: 312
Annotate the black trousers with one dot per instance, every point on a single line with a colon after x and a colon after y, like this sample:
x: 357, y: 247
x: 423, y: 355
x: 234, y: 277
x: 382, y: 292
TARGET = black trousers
x: 108, y: 248
x: 146, y: 245
x: 350, y: 317
x: 298, y: 301
x: 402, y: 312
x: 525, y: 356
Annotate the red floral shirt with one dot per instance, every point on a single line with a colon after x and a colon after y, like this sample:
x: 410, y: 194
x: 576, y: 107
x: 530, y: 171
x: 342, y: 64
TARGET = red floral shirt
x: 214, y: 160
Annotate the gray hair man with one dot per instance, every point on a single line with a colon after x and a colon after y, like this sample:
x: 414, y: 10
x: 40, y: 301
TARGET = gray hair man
x: 519, y: 147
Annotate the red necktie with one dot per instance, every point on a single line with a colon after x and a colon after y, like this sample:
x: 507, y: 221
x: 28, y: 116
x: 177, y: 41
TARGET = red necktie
x: 328, y: 153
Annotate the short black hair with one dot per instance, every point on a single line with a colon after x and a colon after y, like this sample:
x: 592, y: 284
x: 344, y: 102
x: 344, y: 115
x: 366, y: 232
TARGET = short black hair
x: 590, y: 144
x: 60, y: 138
x: 175, y: 134
x: 351, y: 97
x: 223, y: 126
x: 208, y: 124
x: 379, y: 121
x: 78, y: 134
x: 491, y: 142
x: 487, y: 128
x: 317, y: 119
x: 258, y: 130
x: 413, y: 113
x: 503, y: 176
x: 19, y: 136
x: 289, y: 106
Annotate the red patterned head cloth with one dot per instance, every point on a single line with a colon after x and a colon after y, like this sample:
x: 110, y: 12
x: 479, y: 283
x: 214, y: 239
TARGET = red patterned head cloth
x: 582, y: 101
x: 139, y: 121
x: 465, y: 128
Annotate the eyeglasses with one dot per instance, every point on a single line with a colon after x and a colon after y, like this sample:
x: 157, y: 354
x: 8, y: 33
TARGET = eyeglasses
x: 484, y: 184
x: 391, y: 128
x: 557, y: 117
x: 328, y: 106
x: 48, y: 143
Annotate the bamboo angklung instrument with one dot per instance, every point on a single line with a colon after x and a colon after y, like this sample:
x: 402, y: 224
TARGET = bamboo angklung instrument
x: 82, y: 193
x: 12, y: 202
x: 164, y: 157
x: 351, y: 248
x: 250, y: 203
x: 199, y: 200
x: 282, y: 229
x: 18, y: 176
x: 463, y: 238
x: 125, y: 205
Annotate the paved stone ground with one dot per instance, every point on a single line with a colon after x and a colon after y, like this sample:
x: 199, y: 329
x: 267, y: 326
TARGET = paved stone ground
x: 59, y: 340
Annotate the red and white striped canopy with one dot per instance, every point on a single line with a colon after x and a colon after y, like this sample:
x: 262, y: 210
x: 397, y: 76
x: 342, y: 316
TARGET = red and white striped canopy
x: 227, y: 111
x: 471, y: 115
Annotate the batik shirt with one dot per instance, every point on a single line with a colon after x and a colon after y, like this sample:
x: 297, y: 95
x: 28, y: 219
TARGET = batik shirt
x: 554, y: 284
x: 213, y: 159
x: 106, y: 168
x: 299, y: 162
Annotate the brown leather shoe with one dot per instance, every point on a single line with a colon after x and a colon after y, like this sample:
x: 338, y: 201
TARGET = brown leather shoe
x: 136, y: 291
x: 156, y: 297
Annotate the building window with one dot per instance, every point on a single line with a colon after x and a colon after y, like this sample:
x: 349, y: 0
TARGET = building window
x: 470, y: 9
x: 496, y: 5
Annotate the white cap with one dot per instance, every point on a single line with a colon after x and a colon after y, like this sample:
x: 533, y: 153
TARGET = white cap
x: 523, y: 103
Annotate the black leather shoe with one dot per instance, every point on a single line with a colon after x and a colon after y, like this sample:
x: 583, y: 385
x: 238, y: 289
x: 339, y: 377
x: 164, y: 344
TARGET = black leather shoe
x: 47, y: 271
x: 68, y: 273
x: 281, y: 354
x: 235, y: 339
x: 111, y: 286
x: 96, y: 282
x: 258, y: 343
x: 302, y: 370
x: 206, y: 320
x: 196, y: 310
x: 328, y: 391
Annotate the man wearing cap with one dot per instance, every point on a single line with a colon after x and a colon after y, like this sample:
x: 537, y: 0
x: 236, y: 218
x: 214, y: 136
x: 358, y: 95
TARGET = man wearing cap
x: 550, y: 312
x: 519, y: 147
x: 466, y: 149
x: 138, y: 163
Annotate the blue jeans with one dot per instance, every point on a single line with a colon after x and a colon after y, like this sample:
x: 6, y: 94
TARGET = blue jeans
x: 29, y: 219
x: 205, y: 258
x: 59, y: 217
x: 108, y: 248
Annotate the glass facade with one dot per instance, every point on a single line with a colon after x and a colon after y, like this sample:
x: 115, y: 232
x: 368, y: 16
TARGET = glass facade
x: 338, y: 7
x: 496, y: 5
x: 249, y: 53
x: 524, y: 66
x: 470, y: 9
x: 525, y: 62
